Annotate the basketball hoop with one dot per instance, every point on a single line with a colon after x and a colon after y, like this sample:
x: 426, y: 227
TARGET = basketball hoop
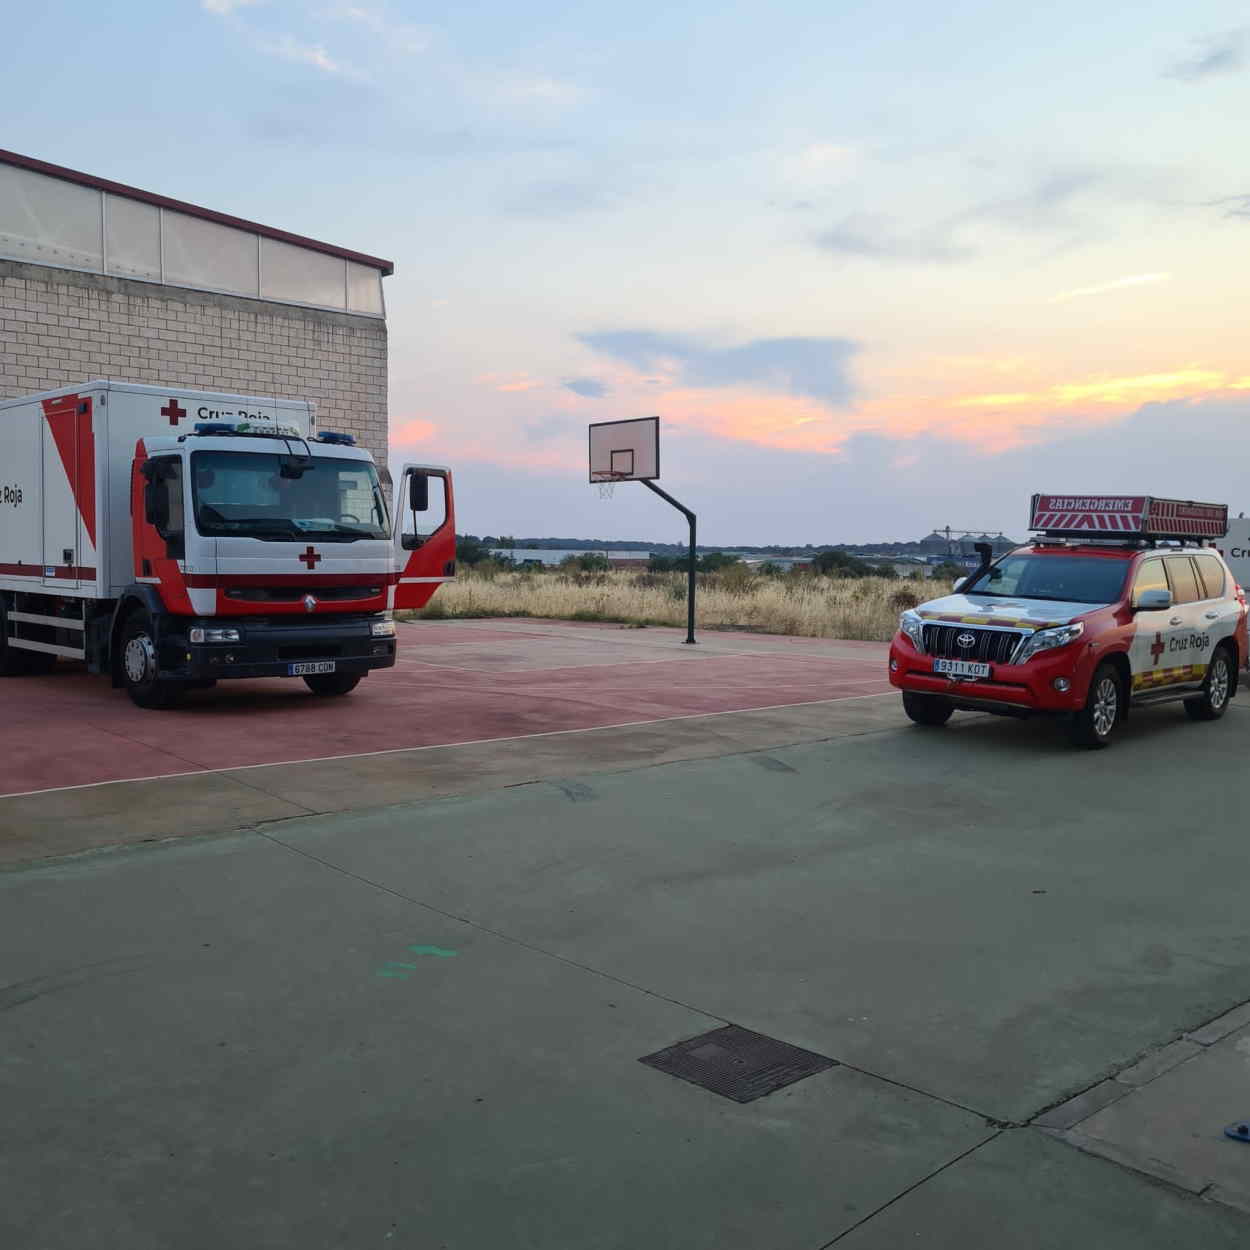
x: 607, y: 484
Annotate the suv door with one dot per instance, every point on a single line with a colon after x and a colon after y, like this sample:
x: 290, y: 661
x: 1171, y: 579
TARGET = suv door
x: 1188, y: 646
x: 1219, y: 611
x: 1154, y: 630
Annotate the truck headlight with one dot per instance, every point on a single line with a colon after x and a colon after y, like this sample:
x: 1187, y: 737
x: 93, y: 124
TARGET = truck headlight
x: 1049, y: 639
x: 912, y: 624
x: 382, y: 629
x: 200, y: 634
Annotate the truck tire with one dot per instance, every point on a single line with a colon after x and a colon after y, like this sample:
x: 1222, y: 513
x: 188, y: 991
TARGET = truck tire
x: 1217, y: 689
x: 326, y: 684
x: 927, y: 709
x: 1093, y: 725
x: 139, y: 666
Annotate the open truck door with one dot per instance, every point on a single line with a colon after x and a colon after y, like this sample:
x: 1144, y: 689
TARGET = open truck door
x: 424, y: 535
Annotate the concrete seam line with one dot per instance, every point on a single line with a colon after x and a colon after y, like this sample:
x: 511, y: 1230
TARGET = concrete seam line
x: 924, y: 1180
x: 439, y: 746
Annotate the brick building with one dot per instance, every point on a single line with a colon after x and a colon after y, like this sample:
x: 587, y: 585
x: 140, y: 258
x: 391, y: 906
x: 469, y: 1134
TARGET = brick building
x: 99, y: 280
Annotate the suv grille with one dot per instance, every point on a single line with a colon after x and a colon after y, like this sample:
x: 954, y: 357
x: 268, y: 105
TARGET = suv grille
x: 995, y: 645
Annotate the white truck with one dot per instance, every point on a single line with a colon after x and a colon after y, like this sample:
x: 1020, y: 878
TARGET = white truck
x: 171, y: 538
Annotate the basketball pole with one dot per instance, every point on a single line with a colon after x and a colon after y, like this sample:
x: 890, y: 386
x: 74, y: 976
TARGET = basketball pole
x: 663, y: 494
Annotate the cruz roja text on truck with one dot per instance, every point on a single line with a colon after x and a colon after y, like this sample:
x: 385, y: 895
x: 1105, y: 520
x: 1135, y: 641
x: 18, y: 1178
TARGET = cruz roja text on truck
x: 172, y: 538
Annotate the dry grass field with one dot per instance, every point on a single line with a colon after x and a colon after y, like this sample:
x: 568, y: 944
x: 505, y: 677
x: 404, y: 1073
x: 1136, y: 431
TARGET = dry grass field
x: 793, y: 603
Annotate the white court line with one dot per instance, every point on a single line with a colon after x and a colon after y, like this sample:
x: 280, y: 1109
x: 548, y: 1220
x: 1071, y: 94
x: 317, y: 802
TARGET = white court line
x: 442, y: 746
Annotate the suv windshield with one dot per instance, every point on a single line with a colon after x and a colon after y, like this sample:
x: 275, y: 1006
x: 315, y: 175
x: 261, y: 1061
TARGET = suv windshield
x: 243, y: 494
x: 1075, y: 579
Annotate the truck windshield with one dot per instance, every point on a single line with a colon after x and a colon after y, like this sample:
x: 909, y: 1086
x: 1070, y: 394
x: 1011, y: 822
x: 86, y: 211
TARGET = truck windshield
x: 243, y: 494
x: 1074, y: 579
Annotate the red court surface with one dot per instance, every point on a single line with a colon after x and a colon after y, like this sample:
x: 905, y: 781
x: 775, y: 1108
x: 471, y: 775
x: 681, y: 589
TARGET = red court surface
x: 455, y: 682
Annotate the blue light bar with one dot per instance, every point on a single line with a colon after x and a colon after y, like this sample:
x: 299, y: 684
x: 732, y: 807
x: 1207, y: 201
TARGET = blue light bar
x: 339, y: 440
x: 214, y: 427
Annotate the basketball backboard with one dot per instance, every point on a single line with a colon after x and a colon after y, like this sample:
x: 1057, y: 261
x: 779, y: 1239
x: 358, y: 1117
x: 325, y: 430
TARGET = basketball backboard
x: 625, y: 451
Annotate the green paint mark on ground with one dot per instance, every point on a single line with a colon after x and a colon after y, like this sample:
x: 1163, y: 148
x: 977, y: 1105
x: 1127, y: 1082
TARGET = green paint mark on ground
x: 437, y: 951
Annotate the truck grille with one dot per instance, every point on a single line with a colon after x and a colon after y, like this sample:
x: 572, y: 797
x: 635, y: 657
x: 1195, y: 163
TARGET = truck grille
x: 994, y: 645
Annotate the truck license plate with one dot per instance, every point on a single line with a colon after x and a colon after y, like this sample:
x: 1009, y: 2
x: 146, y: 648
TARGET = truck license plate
x: 306, y: 670
x: 961, y: 668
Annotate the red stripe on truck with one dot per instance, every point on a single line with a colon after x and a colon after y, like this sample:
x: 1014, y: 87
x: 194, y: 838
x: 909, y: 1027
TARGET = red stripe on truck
x: 68, y: 572
x: 69, y: 419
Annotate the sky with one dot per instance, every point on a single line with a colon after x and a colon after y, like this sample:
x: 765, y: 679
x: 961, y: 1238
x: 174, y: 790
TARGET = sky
x: 877, y: 268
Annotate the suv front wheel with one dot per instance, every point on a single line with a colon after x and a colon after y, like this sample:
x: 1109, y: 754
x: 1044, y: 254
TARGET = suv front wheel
x: 1104, y: 706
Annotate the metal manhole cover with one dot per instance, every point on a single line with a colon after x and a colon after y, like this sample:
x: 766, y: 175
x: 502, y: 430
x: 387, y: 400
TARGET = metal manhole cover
x: 737, y: 1063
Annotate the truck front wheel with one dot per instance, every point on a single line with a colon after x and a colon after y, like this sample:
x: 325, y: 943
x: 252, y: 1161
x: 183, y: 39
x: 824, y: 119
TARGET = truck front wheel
x: 139, y: 666
x: 332, y: 683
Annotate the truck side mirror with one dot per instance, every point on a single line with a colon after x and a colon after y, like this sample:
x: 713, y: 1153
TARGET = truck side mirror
x: 418, y: 492
x: 156, y: 505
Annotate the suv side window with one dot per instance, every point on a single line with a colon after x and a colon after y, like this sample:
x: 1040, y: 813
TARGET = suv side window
x: 1184, y: 582
x: 1211, y: 573
x: 1150, y: 576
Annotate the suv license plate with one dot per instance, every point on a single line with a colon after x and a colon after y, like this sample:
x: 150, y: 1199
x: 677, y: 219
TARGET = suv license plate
x: 961, y: 668
x: 305, y: 670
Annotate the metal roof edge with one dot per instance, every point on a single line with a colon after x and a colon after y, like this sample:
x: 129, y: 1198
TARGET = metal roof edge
x: 34, y: 165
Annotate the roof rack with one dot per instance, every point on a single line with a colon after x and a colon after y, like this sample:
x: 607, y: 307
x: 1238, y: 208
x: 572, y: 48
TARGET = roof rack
x: 1127, y: 518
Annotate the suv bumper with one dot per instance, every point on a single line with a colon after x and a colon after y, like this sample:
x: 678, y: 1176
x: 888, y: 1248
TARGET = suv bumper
x: 1015, y: 689
x: 268, y: 649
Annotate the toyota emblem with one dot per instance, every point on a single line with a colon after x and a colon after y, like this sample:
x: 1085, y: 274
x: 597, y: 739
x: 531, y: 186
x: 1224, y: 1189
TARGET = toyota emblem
x: 966, y: 640
x: 310, y: 604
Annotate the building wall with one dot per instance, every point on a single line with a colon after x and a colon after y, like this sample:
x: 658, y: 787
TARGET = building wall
x: 60, y: 326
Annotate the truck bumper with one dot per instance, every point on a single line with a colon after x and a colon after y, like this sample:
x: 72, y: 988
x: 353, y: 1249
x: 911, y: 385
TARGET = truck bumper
x: 269, y: 648
x: 1013, y: 689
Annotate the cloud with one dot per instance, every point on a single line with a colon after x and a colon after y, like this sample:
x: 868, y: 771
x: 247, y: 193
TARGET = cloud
x: 589, y: 388
x: 1045, y: 207
x: 1117, y: 284
x: 509, y: 382
x: 399, y: 36
x: 1239, y: 205
x: 288, y: 48
x: 557, y: 198
x: 875, y: 238
x: 546, y: 89
x: 818, y: 368
x: 875, y: 487
x: 1217, y: 54
x: 409, y: 430
x: 224, y: 8
x: 1124, y: 390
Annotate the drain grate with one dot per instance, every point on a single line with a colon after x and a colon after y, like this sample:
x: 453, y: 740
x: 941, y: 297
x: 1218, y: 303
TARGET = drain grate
x: 737, y: 1063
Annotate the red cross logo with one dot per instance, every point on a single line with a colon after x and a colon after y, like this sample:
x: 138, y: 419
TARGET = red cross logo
x: 310, y: 558
x: 1157, y: 648
x: 173, y: 412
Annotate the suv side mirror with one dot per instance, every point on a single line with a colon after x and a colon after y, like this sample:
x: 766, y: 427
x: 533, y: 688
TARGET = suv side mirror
x: 418, y: 492
x: 1156, y: 599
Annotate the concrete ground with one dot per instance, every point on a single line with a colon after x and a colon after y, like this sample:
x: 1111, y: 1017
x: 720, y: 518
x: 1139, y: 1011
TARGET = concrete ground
x: 415, y: 1020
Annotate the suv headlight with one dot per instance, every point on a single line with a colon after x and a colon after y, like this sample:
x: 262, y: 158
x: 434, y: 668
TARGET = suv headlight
x: 382, y: 629
x: 912, y: 624
x: 1049, y: 639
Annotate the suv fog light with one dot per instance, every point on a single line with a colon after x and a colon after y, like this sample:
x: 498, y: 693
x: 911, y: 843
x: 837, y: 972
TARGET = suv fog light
x: 893, y: 666
x: 1062, y: 684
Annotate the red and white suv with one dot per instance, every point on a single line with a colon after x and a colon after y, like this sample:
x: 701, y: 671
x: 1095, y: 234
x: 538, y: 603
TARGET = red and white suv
x: 1084, y: 629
